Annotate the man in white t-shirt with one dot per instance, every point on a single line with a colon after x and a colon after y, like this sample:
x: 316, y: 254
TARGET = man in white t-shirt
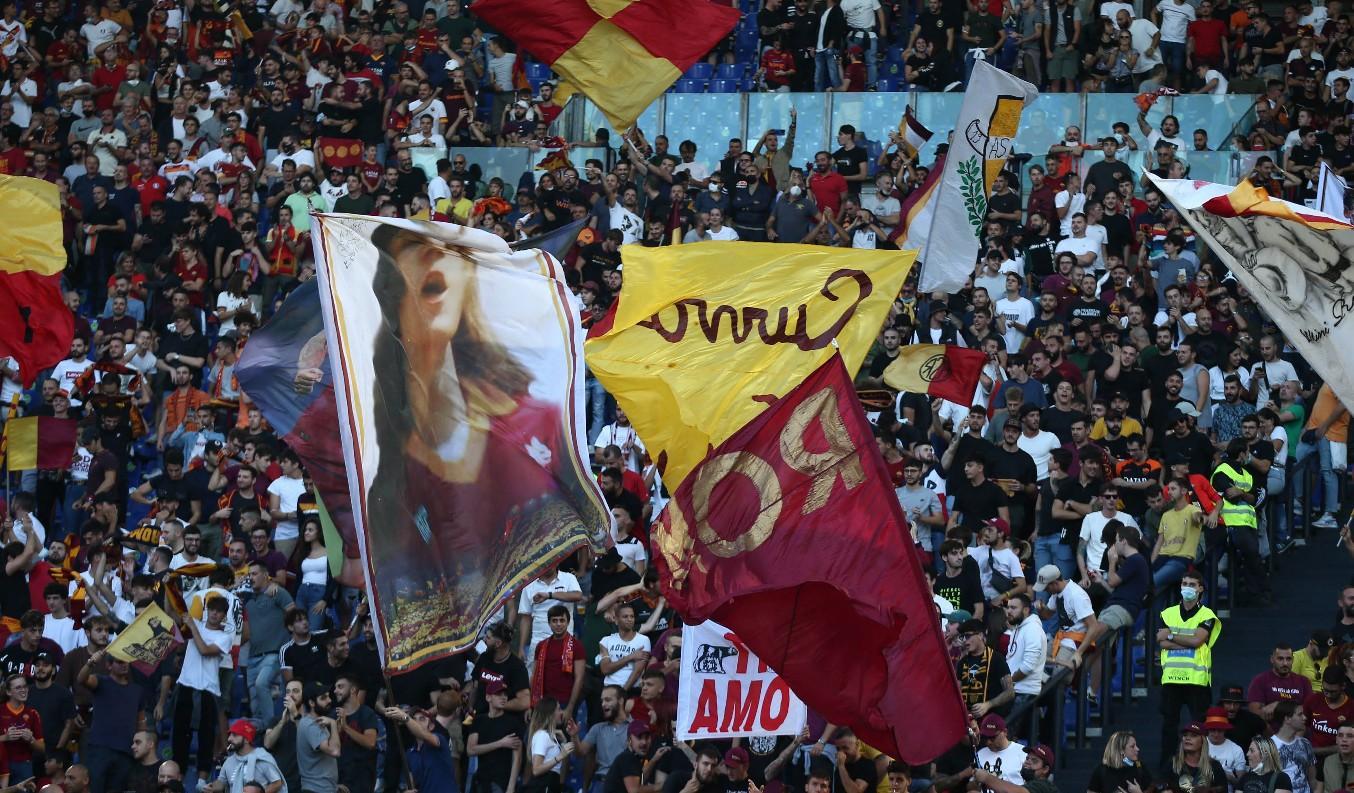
x: 621, y: 433
x: 624, y: 654
x: 553, y: 588
x: 58, y: 625
x: 1037, y: 443
x: 1069, y: 202
x: 1212, y: 81
x: 1090, y: 548
x: 1089, y: 250
x: 69, y: 370
x: 208, y: 644
x: 715, y: 230
x: 1072, y: 606
x: 284, y: 493
x: 999, y: 755
x: 1146, y: 40
x: 1013, y: 314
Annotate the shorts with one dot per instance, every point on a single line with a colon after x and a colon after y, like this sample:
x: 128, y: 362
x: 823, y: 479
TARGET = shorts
x: 1064, y: 65
x: 1065, y: 653
x: 1116, y: 618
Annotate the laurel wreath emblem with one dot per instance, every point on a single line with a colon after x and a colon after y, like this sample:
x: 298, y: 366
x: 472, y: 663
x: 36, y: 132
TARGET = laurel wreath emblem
x: 971, y: 189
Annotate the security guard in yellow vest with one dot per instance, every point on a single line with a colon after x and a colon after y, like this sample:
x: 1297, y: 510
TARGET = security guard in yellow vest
x: 1186, y: 659
x: 1237, y: 485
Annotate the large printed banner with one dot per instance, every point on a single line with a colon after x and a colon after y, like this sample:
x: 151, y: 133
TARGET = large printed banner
x: 1294, y: 261
x: 150, y: 639
x: 983, y: 137
x: 726, y: 691
x: 458, y: 374
x: 706, y: 336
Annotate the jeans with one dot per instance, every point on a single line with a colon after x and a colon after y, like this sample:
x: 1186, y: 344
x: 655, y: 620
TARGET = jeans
x: 870, y: 43
x: 71, y: 518
x: 1327, y: 453
x: 108, y: 768
x: 596, y: 396
x: 1173, y: 697
x: 1273, y: 490
x: 1173, y: 55
x: 19, y: 771
x: 826, y: 70
x: 1052, y: 550
x: 307, y: 595
x: 1167, y: 571
x: 263, y: 670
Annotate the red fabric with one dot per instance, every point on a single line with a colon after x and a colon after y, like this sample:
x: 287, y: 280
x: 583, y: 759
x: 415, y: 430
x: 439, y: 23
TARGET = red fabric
x: 36, y: 327
x: 957, y: 377
x: 804, y: 553
x: 1205, y: 33
x: 549, y: 28
x: 56, y: 442
x: 1324, y: 721
x: 341, y: 152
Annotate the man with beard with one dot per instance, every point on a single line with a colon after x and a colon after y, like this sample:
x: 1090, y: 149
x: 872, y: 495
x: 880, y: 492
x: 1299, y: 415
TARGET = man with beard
x: 1038, y: 243
x: 1013, y: 469
x: 891, y: 339
x: 357, y: 732
x: 982, y: 672
x: 1162, y: 418
x: 704, y: 776
x: 117, y: 710
x: 1034, y: 774
x: 630, y: 768
x: 265, y: 611
x: 605, y: 739
x: 54, y: 703
x: 246, y: 764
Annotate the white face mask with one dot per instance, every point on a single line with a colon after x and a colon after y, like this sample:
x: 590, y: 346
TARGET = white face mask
x: 795, y: 191
x: 714, y: 187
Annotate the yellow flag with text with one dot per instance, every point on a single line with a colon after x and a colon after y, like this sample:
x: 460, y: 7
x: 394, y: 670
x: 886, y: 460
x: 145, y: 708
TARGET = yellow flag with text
x: 705, y: 337
x: 148, y: 640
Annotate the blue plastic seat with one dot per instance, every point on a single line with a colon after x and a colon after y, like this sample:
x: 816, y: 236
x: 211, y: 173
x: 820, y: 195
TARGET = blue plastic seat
x: 538, y: 71
x: 723, y: 86
x: 889, y: 83
x: 894, y: 55
x: 687, y: 86
x: 700, y: 71
x: 730, y: 71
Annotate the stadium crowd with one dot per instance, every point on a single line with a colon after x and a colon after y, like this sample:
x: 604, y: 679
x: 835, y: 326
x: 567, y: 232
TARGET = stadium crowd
x: 1138, y: 418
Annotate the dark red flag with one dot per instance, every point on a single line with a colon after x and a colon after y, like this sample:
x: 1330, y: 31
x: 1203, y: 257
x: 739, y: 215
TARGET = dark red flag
x: 790, y: 535
x: 36, y: 327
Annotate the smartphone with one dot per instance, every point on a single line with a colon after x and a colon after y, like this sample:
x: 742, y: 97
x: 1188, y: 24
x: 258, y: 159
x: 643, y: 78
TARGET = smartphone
x: 778, y: 132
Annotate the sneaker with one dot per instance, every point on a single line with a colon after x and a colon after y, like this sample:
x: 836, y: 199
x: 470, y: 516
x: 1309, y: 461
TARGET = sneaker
x: 1326, y: 521
x: 1284, y: 546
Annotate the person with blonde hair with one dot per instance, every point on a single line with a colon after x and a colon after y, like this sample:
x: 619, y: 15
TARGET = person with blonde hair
x: 1265, y: 772
x: 1192, y: 769
x: 549, y: 749
x: 1120, y: 767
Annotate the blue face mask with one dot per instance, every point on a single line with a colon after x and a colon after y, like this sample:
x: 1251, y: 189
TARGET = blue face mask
x: 1189, y: 593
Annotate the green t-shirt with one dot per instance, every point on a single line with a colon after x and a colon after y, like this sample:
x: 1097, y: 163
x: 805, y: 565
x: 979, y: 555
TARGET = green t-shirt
x: 1294, y: 428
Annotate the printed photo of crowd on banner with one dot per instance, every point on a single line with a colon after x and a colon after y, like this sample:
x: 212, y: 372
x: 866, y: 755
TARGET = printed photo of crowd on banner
x: 676, y: 396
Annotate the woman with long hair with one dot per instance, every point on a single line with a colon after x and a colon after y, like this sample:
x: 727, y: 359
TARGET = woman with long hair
x: 1265, y: 770
x: 233, y: 299
x: 1192, y: 770
x: 550, y: 748
x: 309, y: 565
x: 1120, y: 767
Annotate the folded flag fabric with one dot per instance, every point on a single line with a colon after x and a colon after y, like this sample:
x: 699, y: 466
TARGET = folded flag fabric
x: 36, y: 327
x: 39, y: 442
x: 341, y: 152
x: 621, y: 53
x: 32, y: 212
x: 913, y: 134
x: 937, y: 370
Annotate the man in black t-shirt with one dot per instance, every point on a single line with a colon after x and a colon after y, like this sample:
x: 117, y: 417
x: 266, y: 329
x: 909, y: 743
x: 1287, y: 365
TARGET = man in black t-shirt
x: 303, y: 654
x: 982, y: 673
x: 629, y: 763
x: 959, y: 580
x: 493, y: 738
x: 850, y: 160
x: 498, y: 664
x: 853, y: 768
x: 978, y: 500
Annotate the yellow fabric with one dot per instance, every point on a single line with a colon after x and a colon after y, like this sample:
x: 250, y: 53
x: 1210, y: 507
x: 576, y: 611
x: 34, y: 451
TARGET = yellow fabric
x: 1237, y: 513
x: 1327, y: 403
x: 31, y: 209
x: 21, y: 444
x: 1189, y: 667
x: 1130, y: 427
x: 146, y: 639
x: 1308, y: 667
x: 609, y: 8
x: 697, y: 370
x: 911, y: 371
x: 1179, y: 533
x: 870, y: 753
x: 606, y: 51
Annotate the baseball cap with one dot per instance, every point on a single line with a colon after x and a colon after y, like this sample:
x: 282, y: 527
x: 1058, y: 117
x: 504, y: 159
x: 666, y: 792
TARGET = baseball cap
x: 243, y: 728
x: 736, y: 756
x: 591, y: 286
x: 1188, y: 409
x: 1233, y: 693
x: 1000, y: 525
x: 494, y: 687
x: 973, y: 626
x: 1043, y: 752
x: 939, y: 305
x: 44, y: 655
x: 213, y: 446
x: 1194, y: 727
x: 314, y: 689
x: 991, y: 725
x: 1010, y: 422
x: 1047, y: 575
x: 636, y: 728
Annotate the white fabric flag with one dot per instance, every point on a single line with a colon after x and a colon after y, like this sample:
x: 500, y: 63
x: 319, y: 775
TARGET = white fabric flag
x: 1296, y: 263
x: 984, y: 133
x: 726, y: 691
x: 1330, y: 192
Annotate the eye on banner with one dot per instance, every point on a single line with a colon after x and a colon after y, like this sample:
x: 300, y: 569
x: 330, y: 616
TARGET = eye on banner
x: 726, y: 691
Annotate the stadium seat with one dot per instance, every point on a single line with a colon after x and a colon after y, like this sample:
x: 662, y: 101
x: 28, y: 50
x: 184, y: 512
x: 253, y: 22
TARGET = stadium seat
x: 894, y: 55
x: 700, y: 71
x: 724, y: 86
x: 889, y: 83
x: 686, y: 86
x: 730, y: 71
x: 537, y: 71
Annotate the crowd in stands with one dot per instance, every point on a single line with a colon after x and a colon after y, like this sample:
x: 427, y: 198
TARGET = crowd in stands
x: 1137, y: 421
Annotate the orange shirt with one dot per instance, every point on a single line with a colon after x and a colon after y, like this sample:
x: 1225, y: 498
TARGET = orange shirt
x: 1325, y: 404
x: 180, y: 405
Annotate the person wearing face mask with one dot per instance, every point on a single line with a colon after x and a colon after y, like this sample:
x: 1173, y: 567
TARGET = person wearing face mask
x: 1191, y: 629
x: 1120, y: 767
x: 794, y: 214
x: 1034, y: 774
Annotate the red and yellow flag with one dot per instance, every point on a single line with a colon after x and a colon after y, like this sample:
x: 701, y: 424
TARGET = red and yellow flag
x: 36, y: 327
x: 790, y: 534
x: 39, y: 442
x: 621, y: 53
x: 938, y: 370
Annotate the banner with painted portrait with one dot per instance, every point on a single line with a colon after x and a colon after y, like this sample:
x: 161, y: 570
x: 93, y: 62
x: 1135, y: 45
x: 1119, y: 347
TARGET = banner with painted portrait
x: 457, y: 367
